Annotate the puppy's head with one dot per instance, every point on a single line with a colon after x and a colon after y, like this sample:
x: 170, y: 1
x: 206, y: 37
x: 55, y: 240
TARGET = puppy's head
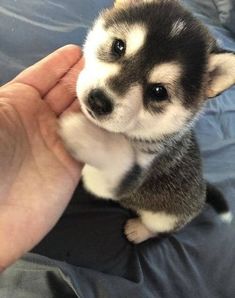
x: 149, y: 65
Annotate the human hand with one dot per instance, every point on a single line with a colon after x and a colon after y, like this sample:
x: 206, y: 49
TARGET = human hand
x: 37, y: 175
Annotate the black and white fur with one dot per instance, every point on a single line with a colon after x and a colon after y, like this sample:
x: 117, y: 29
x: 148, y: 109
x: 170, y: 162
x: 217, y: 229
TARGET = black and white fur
x: 139, y: 148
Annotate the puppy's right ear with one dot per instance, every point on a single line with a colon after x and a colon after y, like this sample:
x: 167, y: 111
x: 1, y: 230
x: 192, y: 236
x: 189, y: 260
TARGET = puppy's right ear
x: 125, y: 3
x: 221, y: 72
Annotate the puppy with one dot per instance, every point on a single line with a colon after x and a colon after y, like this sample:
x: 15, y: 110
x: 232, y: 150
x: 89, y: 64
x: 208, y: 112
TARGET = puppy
x: 149, y: 67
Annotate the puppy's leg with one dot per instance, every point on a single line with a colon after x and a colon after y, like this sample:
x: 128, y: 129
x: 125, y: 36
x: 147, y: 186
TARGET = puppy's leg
x: 95, y: 146
x: 136, y: 231
x: 149, y: 225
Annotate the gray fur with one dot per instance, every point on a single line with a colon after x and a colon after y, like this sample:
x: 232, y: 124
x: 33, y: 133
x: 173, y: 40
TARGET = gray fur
x: 172, y: 184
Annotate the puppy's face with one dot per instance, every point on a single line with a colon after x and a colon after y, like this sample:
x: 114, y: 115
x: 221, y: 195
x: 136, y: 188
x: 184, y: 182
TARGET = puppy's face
x: 146, y: 68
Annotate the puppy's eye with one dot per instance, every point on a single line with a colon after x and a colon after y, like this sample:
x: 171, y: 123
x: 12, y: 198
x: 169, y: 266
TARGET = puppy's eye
x: 158, y: 93
x: 118, y: 48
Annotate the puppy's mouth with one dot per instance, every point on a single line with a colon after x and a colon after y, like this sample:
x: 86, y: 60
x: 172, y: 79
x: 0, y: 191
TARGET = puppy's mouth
x: 91, y: 113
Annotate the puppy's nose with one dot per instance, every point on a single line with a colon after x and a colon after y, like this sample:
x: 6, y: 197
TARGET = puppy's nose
x: 100, y: 103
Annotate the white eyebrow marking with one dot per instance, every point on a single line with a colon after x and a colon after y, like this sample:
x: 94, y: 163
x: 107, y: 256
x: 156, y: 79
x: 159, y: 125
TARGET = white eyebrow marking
x: 135, y: 38
x: 177, y: 27
x: 168, y: 72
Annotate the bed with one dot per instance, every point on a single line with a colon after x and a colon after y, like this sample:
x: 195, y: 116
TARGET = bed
x: 86, y: 254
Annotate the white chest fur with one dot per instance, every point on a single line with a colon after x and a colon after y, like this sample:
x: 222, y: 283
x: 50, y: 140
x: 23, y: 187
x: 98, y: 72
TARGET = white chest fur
x: 99, y: 183
x: 102, y: 183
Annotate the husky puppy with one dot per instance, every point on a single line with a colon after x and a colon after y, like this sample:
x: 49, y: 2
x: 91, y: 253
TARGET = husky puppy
x: 149, y: 67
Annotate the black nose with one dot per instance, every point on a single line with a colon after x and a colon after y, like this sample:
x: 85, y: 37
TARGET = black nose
x: 100, y: 103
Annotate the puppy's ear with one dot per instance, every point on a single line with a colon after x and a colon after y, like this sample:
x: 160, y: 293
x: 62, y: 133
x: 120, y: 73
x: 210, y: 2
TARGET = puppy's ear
x: 125, y: 3
x: 221, y: 73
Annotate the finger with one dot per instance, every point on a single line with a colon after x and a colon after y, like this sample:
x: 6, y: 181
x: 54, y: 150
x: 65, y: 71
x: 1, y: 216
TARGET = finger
x: 62, y: 95
x: 45, y: 74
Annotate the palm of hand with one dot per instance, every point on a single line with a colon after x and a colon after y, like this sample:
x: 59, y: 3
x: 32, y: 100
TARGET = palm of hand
x: 29, y: 136
x: 39, y: 176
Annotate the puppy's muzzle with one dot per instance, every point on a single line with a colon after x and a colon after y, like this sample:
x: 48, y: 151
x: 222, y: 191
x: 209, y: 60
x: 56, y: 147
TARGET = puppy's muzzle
x: 99, y: 103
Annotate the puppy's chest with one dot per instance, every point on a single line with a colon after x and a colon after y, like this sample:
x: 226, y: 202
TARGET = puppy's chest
x: 99, y: 183
x: 107, y: 185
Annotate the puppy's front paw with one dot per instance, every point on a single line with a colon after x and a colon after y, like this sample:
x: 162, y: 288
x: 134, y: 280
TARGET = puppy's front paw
x: 136, y: 231
x: 75, y: 133
x: 85, y: 141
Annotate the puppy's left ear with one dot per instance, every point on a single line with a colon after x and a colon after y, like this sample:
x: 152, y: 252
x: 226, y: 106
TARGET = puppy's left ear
x: 221, y: 73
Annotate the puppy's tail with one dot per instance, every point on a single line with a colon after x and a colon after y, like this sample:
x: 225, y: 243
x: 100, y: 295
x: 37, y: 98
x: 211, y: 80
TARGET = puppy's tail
x: 216, y: 199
